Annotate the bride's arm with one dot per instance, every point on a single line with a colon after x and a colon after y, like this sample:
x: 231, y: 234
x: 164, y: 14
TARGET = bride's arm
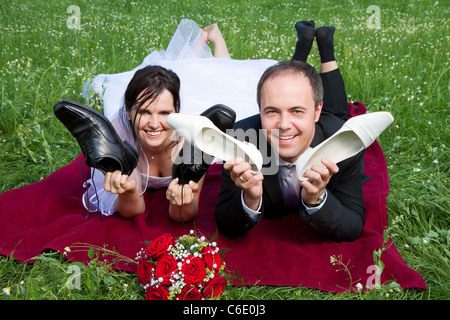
x: 129, y: 203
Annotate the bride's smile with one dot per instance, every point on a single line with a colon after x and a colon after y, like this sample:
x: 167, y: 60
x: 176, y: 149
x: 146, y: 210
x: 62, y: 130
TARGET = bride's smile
x: 150, y: 123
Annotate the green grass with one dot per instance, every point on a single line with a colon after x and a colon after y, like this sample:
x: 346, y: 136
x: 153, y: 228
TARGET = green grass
x: 401, y: 67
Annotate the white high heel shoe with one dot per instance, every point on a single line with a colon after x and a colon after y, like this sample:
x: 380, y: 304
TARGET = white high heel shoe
x: 357, y: 134
x: 201, y: 132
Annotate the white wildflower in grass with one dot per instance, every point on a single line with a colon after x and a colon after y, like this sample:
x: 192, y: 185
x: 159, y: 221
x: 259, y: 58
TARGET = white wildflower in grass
x: 7, y: 291
x: 66, y: 250
x: 359, y: 286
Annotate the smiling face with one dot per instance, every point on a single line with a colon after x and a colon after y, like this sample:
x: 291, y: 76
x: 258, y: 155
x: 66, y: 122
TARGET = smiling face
x: 151, y: 95
x: 289, y: 114
x: 150, y: 125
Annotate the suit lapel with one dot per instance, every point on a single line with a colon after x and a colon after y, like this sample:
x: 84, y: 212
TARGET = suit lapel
x: 318, y: 135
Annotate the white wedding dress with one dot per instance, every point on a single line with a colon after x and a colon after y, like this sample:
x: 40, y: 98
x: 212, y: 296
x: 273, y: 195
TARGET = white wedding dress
x: 205, y: 81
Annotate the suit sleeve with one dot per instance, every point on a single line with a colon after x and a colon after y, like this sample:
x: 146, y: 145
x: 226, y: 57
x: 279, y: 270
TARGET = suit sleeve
x: 231, y: 218
x: 342, y: 216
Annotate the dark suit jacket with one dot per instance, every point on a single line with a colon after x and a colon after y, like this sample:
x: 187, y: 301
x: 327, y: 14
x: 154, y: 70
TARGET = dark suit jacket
x: 342, y: 216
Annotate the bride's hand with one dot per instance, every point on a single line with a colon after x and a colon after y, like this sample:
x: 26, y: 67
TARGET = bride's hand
x: 118, y: 183
x: 181, y: 194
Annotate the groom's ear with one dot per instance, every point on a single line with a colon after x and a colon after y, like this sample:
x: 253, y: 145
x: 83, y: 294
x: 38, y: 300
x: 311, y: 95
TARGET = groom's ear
x: 318, y: 112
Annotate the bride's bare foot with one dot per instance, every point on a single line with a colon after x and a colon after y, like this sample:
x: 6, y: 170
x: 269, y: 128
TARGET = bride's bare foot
x: 213, y: 34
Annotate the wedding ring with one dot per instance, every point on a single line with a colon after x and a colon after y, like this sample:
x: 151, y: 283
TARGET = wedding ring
x: 242, y: 179
x: 116, y: 186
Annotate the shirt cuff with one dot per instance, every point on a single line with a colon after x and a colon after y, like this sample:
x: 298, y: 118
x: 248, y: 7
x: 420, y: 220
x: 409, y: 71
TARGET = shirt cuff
x: 311, y: 210
x: 254, y: 215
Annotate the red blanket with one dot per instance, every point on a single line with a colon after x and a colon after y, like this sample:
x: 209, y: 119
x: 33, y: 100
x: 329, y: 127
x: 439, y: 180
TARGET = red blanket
x: 283, y: 251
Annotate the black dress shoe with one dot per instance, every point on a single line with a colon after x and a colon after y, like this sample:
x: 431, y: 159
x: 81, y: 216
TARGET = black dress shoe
x: 99, y: 142
x: 194, y: 165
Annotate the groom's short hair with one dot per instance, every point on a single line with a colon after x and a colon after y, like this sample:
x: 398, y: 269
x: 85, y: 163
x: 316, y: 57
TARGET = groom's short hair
x: 293, y: 66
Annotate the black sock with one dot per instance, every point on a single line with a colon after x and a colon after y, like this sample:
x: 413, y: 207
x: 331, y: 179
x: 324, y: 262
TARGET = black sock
x: 325, y: 43
x: 306, y: 32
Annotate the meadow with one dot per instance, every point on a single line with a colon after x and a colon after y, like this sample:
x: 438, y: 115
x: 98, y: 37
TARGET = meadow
x: 394, y: 55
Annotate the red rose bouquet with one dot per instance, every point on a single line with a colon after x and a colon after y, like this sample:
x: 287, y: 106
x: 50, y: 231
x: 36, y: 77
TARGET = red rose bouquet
x: 187, y: 268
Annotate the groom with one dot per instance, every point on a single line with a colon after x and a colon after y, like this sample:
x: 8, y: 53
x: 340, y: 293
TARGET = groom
x: 291, y: 98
